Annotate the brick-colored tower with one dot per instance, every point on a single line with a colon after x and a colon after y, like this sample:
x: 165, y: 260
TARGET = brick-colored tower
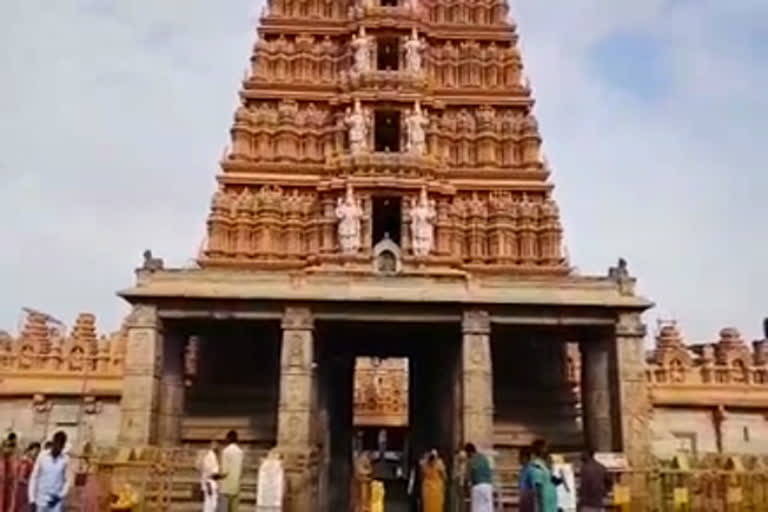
x: 417, y: 113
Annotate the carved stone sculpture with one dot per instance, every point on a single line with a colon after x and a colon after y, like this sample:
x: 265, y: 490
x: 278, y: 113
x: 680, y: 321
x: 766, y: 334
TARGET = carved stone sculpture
x: 349, y: 211
x: 413, y: 50
x: 357, y: 121
x: 422, y: 225
x: 416, y: 124
x: 362, y: 45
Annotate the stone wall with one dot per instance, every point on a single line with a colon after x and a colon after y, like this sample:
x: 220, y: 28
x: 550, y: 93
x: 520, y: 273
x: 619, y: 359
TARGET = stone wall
x: 36, y: 420
x: 676, y: 429
x: 745, y: 432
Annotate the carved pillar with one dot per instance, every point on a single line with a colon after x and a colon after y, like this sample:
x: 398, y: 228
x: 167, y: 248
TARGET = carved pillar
x: 596, y: 388
x: 139, y: 405
x: 477, y: 382
x: 634, y: 400
x: 296, y: 410
x: 172, y: 390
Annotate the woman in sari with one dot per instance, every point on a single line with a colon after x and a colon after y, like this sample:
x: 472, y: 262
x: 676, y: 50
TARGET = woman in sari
x: 8, y: 464
x: 433, y: 483
x: 23, y: 471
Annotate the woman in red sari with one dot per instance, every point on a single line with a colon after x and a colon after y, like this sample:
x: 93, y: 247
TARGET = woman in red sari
x: 8, y: 461
x: 21, y: 484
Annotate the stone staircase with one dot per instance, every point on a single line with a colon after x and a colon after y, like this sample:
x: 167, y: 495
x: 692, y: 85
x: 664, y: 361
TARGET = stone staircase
x: 186, y: 482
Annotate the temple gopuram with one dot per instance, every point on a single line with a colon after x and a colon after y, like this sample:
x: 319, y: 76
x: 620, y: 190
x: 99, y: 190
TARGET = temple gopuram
x: 385, y: 198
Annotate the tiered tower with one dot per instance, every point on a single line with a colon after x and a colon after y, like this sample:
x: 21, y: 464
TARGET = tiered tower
x: 386, y: 135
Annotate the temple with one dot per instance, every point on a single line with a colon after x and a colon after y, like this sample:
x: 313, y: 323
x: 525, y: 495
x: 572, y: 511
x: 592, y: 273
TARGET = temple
x: 384, y: 265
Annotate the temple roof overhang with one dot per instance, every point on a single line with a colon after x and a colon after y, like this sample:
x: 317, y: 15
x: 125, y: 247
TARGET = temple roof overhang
x: 227, y: 284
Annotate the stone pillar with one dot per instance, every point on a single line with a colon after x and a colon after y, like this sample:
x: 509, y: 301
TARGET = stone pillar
x: 139, y: 405
x: 171, y: 391
x: 633, y: 391
x: 634, y: 400
x: 598, y: 413
x: 295, y: 432
x: 477, y: 380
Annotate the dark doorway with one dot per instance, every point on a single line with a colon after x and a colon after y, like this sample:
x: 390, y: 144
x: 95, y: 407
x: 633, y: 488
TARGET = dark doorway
x: 236, y: 359
x: 433, y: 352
x: 387, y: 130
x: 387, y: 54
x: 387, y: 216
x: 389, y: 3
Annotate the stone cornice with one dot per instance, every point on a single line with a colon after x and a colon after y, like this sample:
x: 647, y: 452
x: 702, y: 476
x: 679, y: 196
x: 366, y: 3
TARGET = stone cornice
x: 16, y: 383
x: 326, y: 286
x: 709, y: 395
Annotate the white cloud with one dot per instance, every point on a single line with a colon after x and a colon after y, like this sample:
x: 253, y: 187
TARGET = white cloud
x: 113, y: 120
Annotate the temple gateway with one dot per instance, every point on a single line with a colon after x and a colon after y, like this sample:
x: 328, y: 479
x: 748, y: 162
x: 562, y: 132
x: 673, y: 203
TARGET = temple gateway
x: 385, y: 196
x: 385, y: 206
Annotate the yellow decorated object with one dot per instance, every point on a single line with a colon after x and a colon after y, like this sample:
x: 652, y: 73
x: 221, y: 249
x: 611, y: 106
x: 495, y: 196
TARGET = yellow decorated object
x: 620, y: 495
x: 377, y: 496
x: 126, y: 498
x: 680, y: 496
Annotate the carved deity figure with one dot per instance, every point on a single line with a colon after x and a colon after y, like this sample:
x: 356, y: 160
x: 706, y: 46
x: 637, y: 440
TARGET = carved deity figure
x: 362, y: 44
x: 357, y: 121
x: 422, y: 225
x: 413, y: 49
x: 416, y: 123
x: 412, y: 5
x: 349, y: 211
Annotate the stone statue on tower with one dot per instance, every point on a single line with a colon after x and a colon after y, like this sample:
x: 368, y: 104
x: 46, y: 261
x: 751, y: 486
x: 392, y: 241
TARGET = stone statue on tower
x: 362, y: 45
x: 349, y: 211
x: 416, y: 123
x: 422, y: 225
x: 413, y: 49
x: 357, y: 121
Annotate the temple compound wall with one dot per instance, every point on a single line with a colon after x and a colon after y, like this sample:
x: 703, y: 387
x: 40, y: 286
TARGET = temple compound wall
x: 54, y: 380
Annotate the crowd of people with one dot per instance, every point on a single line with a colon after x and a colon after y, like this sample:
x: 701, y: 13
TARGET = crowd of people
x: 543, y: 485
x: 36, y: 478
x: 545, y: 489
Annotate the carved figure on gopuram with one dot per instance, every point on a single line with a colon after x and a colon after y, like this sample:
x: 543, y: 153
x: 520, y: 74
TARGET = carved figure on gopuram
x: 413, y: 50
x: 422, y: 225
x: 349, y: 211
x: 414, y: 6
x: 416, y: 123
x: 357, y: 120
x: 362, y: 45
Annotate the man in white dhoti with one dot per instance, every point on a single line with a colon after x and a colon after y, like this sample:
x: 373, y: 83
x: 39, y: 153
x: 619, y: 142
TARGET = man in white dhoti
x: 209, y: 474
x: 271, y: 485
x: 481, y: 480
x: 49, y: 481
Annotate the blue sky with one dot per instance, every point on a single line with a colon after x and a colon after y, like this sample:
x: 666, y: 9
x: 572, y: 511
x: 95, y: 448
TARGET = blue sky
x: 653, y: 112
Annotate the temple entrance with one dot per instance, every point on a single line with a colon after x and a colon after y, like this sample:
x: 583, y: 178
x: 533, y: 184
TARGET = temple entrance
x: 430, y: 352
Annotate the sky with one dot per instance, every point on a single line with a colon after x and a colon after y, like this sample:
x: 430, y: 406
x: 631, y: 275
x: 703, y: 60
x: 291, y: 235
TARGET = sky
x: 113, y: 115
